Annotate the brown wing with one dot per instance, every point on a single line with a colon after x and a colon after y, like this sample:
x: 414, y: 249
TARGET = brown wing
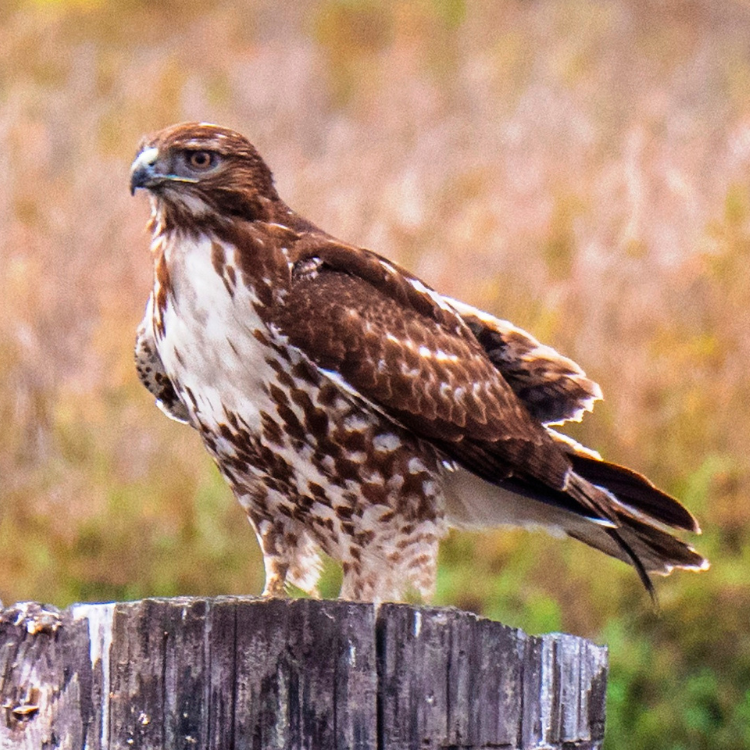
x: 394, y: 342
x: 553, y: 388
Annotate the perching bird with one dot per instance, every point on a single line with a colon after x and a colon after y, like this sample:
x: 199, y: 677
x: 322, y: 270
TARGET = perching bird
x: 353, y: 409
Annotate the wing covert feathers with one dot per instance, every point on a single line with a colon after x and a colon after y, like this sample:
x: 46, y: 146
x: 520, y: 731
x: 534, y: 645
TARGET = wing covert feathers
x: 393, y: 341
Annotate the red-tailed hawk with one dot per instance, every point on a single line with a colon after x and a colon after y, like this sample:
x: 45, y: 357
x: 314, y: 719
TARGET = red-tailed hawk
x: 353, y: 409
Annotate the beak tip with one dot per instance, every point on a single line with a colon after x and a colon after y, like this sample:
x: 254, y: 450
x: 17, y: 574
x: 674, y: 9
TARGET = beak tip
x: 142, y: 172
x: 141, y: 178
x: 137, y: 180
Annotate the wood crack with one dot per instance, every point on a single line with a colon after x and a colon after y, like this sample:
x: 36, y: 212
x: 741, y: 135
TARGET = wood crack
x: 277, y: 674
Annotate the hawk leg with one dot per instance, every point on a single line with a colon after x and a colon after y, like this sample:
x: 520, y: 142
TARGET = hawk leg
x: 289, y: 556
x: 404, y: 559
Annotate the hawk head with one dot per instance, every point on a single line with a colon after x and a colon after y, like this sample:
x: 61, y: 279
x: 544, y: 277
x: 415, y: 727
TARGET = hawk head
x: 198, y: 170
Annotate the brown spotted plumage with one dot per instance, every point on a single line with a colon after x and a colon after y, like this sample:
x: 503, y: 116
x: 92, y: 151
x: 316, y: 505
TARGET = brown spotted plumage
x: 352, y: 409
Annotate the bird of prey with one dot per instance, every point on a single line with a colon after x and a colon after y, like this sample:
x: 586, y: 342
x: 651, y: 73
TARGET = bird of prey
x: 352, y: 409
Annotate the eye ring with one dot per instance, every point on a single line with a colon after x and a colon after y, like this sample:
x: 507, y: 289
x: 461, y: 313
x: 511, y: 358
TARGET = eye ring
x: 201, y: 160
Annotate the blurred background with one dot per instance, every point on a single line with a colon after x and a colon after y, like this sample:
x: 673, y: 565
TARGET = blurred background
x: 579, y: 167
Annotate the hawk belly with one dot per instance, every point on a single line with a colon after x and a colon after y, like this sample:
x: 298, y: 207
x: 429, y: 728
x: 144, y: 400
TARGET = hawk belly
x: 314, y: 467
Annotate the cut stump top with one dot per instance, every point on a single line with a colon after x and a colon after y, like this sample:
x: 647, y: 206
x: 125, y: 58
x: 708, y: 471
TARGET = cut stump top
x: 242, y: 672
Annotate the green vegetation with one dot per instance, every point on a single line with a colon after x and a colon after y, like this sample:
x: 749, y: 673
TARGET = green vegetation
x: 581, y: 168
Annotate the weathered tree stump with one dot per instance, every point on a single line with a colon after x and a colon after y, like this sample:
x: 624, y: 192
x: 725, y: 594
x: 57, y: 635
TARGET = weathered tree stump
x: 240, y: 672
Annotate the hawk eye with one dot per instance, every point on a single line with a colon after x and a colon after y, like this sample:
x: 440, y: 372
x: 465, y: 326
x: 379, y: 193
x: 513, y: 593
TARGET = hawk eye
x: 201, y: 160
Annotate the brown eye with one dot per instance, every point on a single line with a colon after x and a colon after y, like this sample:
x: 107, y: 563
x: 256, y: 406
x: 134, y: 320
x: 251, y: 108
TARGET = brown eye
x: 201, y: 160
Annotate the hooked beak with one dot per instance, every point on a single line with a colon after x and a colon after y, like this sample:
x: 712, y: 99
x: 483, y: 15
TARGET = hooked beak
x: 144, y: 173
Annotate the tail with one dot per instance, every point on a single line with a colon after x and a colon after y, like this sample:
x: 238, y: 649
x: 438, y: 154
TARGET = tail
x: 640, y: 515
x: 606, y: 506
x: 634, y: 492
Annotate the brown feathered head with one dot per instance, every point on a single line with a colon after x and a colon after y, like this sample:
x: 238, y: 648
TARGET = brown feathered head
x: 202, y: 169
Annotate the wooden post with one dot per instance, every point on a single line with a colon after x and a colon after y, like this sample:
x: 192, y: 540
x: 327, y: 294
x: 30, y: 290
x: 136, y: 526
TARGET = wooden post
x: 240, y: 672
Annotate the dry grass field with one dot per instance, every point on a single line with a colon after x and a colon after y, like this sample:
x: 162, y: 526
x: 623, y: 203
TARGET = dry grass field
x: 577, y: 166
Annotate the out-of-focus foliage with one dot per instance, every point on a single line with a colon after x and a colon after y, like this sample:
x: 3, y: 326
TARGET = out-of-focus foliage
x: 579, y: 167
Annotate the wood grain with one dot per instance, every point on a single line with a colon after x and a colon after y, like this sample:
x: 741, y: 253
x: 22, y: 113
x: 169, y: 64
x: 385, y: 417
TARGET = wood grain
x: 242, y: 672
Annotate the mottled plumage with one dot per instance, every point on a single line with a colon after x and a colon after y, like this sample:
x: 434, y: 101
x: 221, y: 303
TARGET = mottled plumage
x: 351, y: 408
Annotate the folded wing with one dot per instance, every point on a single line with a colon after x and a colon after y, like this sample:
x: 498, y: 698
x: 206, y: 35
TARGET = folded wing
x: 552, y: 387
x: 484, y: 393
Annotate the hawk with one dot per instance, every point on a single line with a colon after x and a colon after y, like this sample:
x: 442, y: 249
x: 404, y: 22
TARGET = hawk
x: 352, y: 409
